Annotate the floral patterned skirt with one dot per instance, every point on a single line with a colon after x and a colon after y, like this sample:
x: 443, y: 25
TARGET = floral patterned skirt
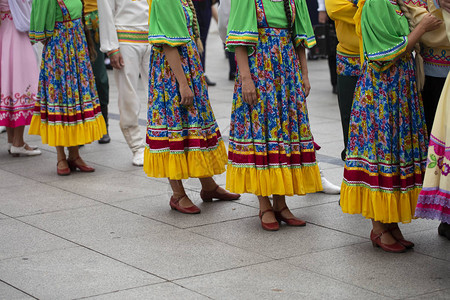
x: 271, y: 147
x: 182, y: 141
x: 67, y: 111
x: 19, y: 74
x: 434, y: 199
x: 387, y: 145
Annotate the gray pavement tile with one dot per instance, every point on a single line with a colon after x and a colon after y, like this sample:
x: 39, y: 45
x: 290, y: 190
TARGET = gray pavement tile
x: 390, y: 274
x: 177, y: 254
x: 39, y: 198
x: 330, y: 215
x: 118, y: 158
x: 42, y: 168
x: 10, y: 180
x: 273, y: 280
x: 158, y: 208
x: 113, y: 187
x: 288, y: 241
x: 88, y: 226
x: 71, y: 273
x: 429, y: 243
x: 158, y: 291
x: 7, y: 159
x: 9, y: 293
x: 441, y: 295
x: 20, y: 239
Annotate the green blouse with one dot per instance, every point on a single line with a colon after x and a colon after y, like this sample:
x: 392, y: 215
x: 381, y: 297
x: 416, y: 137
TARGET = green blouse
x: 243, y: 24
x: 44, y: 14
x: 384, y: 32
x: 168, y: 23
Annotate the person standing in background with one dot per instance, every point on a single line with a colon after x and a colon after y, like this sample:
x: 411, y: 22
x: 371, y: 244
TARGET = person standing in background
x: 204, y: 15
x: 98, y: 64
x: 348, y: 62
x: 124, y: 38
x: 19, y: 74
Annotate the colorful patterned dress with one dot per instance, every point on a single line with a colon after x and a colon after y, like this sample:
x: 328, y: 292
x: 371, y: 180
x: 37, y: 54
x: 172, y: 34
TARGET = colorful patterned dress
x: 434, y: 199
x: 67, y: 111
x: 18, y: 72
x: 182, y: 141
x: 271, y: 147
x: 386, y: 152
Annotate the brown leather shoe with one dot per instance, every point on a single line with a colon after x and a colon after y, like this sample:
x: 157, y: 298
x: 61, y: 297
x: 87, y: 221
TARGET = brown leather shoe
x: 402, y: 241
x: 394, y: 248
x: 274, y: 226
x: 175, y: 205
x: 290, y: 222
x: 208, y: 196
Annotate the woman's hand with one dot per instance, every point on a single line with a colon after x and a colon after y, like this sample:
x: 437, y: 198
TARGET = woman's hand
x: 306, y: 85
x: 430, y: 23
x: 187, y: 96
x: 249, y: 90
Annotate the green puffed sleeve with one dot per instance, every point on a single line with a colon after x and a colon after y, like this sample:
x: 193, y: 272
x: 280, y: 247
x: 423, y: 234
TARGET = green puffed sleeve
x: 167, y: 24
x: 243, y: 25
x: 303, y: 30
x: 42, y: 20
x: 384, y: 31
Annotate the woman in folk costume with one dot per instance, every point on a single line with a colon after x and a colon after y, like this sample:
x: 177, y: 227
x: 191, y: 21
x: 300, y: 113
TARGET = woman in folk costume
x: 18, y: 74
x: 183, y: 139
x: 271, y: 148
x: 386, y: 151
x: 67, y: 112
x: 434, y: 199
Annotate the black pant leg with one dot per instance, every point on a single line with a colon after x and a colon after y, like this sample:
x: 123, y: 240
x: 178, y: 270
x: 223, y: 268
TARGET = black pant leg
x: 431, y: 93
x: 204, y: 15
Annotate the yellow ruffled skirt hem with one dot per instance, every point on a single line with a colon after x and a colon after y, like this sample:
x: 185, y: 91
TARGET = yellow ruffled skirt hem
x: 191, y: 164
x: 379, y: 206
x: 68, y: 136
x: 274, y: 181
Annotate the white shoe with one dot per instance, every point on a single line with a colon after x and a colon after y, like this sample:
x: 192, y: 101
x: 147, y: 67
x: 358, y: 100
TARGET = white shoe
x: 32, y: 147
x: 2, y: 129
x: 328, y: 187
x: 138, y: 158
x: 17, y: 151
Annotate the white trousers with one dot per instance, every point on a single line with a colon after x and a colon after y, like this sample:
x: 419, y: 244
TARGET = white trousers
x: 136, y: 58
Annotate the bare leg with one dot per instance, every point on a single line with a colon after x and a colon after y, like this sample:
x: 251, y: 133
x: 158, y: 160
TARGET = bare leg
x: 10, y: 133
x: 264, y: 204
x: 279, y: 202
x: 18, y: 137
x: 61, y: 156
x: 179, y: 192
x: 74, y: 154
x: 395, y: 231
x: 386, y: 238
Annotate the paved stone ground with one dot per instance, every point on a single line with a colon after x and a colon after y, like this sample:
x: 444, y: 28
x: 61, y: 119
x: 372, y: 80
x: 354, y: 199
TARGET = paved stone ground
x: 111, y: 234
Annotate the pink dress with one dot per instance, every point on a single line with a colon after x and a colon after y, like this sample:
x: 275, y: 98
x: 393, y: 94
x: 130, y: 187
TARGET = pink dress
x: 19, y: 72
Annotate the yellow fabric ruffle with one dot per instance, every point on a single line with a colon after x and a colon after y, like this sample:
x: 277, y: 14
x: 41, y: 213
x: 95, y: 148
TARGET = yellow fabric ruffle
x: 68, y: 136
x: 378, y: 205
x: 274, y: 181
x: 193, y: 164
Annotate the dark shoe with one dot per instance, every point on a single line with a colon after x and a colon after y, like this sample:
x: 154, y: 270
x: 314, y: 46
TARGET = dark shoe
x: 208, y: 82
x: 334, y: 90
x: 274, y: 226
x: 105, y: 139
x: 402, y: 241
x: 444, y: 230
x: 208, y: 196
x: 289, y: 222
x: 394, y: 248
x: 175, y: 205
x: 73, y: 165
x: 62, y: 172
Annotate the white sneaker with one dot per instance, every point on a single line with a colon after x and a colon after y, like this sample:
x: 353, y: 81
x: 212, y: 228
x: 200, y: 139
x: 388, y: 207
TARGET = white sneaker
x: 328, y: 187
x: 2, y: 129
x: 138, y: 158
x: 17, y: 151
